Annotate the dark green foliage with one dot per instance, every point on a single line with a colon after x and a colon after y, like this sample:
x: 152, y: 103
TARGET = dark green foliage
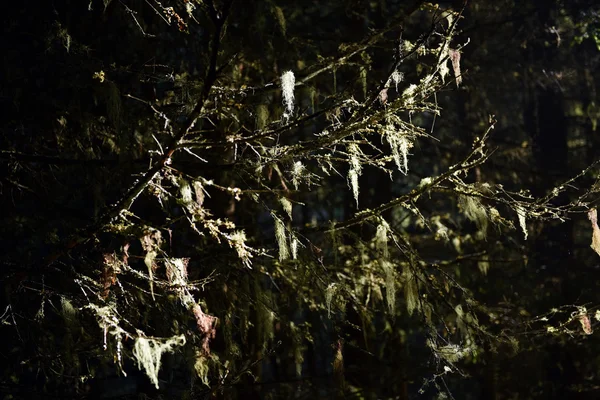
x: 270, y: 199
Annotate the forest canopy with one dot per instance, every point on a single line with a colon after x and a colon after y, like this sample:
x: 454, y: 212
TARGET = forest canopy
x: 271, y: 199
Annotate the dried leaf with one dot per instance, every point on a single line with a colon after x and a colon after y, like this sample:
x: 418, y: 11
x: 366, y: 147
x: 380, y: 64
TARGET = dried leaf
x: 593, y: 217
x: 455, y: 58
x: 206, y: 325
x: 338, y: 366
x: 586, y: 324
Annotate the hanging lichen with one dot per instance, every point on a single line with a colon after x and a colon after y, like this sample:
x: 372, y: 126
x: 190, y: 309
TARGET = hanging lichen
x: 150, y: 265
x: 202, y: 368
x: 452, y: 353
x: 355, y: 169
x: 474, y: 211
x: 288, y: 82
x: 148, y: 353
x: 185, y: 190
x: 265, y: 316
x: 294, y: 246
x: 381, y: 239
x: 411, y: 290
x: 281, y: 239
x: 200, y: 193
x: 484, y: 264
x: 396, y: 78
x: 262, y: 116
x: 466, y: 322
x: 400, y: 144
x: 151, y: 242
x: 298, y: 347
x: 334, y: 72
x: 390, y: 284
x: 280, y: 18
x: 287, y: 206
x: 329, y: 292
x: 298, y: 172
x: 69, y: 313
x: 177, y: 271
x: 522, y: 220
x: 237, y: 240
x: 363, y: 81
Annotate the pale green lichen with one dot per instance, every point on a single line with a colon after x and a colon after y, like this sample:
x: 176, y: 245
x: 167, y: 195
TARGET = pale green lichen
x: 381, y: 239
x: 288, y: 82
x: 474, y: 211
x: 400, y: 144
x: 355, y: 169
x: 287, y: 206
x: 281, y: 239
x: 329, y: 292
x: 411, y: 294
x: 148, y: 353
x: 202, y: 368
x: 390, y: 284
x: 294, y: 246
x: 150, y: 265
x: 484, y: 264
x: 522, y: 220
x: 237, y: 240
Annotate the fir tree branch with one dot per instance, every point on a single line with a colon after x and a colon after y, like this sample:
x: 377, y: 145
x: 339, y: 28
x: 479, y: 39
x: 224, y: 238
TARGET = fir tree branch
x: 219, y: 19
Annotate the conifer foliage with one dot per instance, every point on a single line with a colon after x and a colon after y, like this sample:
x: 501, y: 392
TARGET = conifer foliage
x: 232, y: 200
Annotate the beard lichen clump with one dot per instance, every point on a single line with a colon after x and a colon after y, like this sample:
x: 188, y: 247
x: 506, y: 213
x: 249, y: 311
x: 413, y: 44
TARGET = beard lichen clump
x: 148, y: 353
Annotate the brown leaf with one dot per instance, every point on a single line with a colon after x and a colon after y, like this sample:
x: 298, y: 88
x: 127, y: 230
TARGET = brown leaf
x: 593, y: 217
x: 586, y: 324
x: 383, y: 96
x: 206, y: 325
x: 455, y: 58
x: 338, y: 365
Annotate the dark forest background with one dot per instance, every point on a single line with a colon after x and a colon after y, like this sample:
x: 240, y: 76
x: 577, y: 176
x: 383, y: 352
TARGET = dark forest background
x: 415, y: 223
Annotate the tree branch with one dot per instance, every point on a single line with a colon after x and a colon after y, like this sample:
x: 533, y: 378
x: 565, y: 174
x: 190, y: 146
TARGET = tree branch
x: 138, y: 187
